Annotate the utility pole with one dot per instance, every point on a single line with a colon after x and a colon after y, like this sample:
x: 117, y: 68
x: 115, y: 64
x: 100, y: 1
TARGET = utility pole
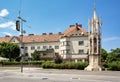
x: 19, y: 27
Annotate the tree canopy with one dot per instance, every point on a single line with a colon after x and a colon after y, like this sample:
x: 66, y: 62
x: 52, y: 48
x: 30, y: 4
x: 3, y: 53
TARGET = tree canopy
x: 104, y: 55
x: 114, y: 55
x: 36, y: 55
x: 9, y: 50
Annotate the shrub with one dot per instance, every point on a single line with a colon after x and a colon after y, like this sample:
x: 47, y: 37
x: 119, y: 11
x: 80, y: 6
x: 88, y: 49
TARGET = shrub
x: 115, y: 66
x: 47, y: 64
x: 81, y: 65
x: 67, y: 65
x: 36, y: 62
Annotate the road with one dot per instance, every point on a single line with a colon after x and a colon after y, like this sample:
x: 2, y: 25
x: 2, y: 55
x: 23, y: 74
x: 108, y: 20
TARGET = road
x: 53, y: 75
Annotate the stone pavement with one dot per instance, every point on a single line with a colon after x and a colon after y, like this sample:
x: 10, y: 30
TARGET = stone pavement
x: 53, y: 75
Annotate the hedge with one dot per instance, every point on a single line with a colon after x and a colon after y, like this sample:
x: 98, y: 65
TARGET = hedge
x: 67, y: 65
x: 18, y: 63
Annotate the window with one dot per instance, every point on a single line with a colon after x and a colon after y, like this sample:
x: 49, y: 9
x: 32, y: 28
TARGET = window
x: 95, y: 40
x: 81, y: 42
x: 68, y: 51
x: 26, y: 48
x: 44, y: 47
x: 14, y: 40
x: 38, y: 47
x: 26, y: 54
x: 81, y: 51
x: 32, y: 47
x: 56, y: 47
x: 63, y: 51
x: 63, y: 43
x: 50, y: 47
x: 95, y: 50
x: 66, y: 43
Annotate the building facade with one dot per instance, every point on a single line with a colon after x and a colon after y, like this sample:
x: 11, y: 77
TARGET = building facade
x: 72, y: 44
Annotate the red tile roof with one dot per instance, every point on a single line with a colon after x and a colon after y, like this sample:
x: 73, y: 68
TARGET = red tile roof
x: 33, y: 38
x: 73, y: 29
x: 41, y: 38
x: 5, y: 39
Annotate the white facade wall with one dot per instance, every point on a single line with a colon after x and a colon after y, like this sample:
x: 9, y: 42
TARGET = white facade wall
x: 14, y: 40
x: 72, y: 49
x: 68, y: 47
x: 75, y: 47
x: 64, y: 45
x: 36, y: 45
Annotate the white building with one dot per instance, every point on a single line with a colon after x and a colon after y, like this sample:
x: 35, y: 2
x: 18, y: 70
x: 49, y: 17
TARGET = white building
x: 72, y: 44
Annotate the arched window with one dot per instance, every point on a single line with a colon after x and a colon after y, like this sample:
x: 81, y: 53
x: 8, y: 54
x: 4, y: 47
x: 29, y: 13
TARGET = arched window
x: 95, y: 45
x: 95, y: 40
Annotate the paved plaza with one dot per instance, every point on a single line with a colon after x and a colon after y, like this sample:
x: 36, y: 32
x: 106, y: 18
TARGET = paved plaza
x: 53, y: 75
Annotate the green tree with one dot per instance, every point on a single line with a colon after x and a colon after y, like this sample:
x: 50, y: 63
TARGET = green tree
x: 58, y: 59
x: 9, y: 50
x: 114, y: 55
x: 104, y: 55
x: 36, y: 55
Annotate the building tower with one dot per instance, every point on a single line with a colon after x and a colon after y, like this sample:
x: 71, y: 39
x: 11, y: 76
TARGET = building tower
x: 94, y: 36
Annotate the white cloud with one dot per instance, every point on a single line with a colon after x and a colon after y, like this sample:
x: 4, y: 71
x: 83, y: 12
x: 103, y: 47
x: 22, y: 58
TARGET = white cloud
x: 10, y: 24
x: 4, y: 13
x: 111, y: 39
x: 7, y: 33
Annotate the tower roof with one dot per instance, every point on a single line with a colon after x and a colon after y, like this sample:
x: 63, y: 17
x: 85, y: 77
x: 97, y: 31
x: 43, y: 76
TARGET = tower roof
x: 94, y: 13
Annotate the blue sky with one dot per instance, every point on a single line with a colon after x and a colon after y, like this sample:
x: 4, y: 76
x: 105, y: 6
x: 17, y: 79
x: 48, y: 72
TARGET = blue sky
x: 56, y: 16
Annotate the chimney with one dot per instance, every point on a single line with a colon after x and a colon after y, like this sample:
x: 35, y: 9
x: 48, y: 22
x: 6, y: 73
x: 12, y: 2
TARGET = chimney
x: 72, y: 25
x: 80, y: 25
x: 44, y: 34
x: 31, y: 34
x: 76, y: 24
x: 50, y: 33
x: 59, y: 33
x: 7, y: 36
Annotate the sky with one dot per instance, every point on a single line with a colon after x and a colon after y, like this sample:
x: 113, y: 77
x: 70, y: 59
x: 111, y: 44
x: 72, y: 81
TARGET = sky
x: 45, y: 16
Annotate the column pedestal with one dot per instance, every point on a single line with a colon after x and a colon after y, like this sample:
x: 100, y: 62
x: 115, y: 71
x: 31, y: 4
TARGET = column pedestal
x: 94, y: 63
